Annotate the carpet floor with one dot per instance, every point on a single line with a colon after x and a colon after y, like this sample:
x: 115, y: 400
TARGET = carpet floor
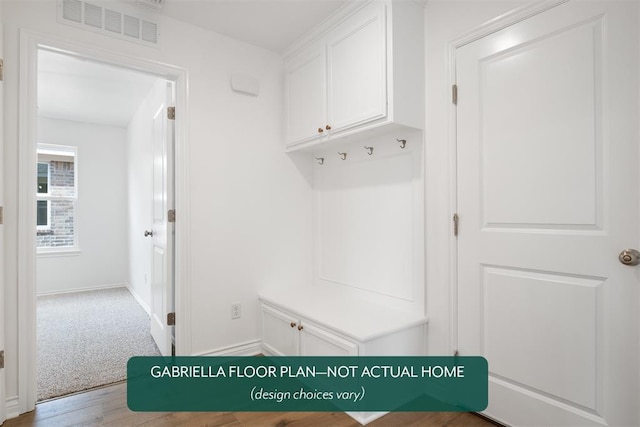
x: 86, y: 338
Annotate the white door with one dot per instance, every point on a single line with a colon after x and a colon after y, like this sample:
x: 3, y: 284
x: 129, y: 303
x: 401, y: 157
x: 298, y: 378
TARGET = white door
x: 162, y: 231
x: 547, y: 134
x: 3, y: 400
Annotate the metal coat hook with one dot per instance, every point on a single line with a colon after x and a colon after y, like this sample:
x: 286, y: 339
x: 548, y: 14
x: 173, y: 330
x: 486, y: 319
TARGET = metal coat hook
x: 369, y: 150
x: 343, y: 155
x: 403, y: 142
x: 320, y: 160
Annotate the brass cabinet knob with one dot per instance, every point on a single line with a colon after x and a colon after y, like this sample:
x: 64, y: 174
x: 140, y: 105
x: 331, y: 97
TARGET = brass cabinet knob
x: 293, y: 324
x: 327, y: 127
x: 300, y: 327
x: 320, y: 130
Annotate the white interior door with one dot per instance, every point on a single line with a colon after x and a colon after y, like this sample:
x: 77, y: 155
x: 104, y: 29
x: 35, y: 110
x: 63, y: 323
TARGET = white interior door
x: 162, y: 231
x: 547, y: 134
x: 3, y: 400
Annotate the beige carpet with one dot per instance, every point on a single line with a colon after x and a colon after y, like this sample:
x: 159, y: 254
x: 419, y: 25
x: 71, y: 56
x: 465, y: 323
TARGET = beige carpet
x: 86, y: 338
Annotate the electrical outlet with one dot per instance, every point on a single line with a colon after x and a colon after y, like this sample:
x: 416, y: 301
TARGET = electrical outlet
x: 235, y: 310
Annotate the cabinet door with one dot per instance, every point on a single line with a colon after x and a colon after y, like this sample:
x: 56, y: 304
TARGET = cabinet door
x: 356, y: 55
x: 306, y: 95
x: 315, y: 341
x: 279, y: 337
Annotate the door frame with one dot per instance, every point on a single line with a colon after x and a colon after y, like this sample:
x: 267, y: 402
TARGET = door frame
x: 501, y: 22
x: 30, y: 42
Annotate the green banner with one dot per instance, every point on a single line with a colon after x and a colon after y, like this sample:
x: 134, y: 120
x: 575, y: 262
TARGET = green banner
x: 307, y: 384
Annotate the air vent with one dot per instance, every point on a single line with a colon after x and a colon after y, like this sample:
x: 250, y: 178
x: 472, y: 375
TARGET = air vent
x: 113, y: 21
x: 157, y: 4
x: 72, y: 10
x: 149, y: 32
x: 93, y: 15
x: 122, y: 24
x: 131, y: 26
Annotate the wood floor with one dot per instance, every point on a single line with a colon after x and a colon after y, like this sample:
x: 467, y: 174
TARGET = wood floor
x: 107, y: 406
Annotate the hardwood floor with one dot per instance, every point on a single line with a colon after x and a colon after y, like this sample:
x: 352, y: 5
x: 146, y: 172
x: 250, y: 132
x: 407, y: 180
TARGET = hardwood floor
x: 107, y: 406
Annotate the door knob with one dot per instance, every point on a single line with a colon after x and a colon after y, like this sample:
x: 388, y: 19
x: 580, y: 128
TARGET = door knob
x: 629, y: 257
x: 148, y: 233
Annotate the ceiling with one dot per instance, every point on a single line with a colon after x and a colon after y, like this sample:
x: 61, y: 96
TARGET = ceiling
x: 70, y: 88
x: 271, y: 24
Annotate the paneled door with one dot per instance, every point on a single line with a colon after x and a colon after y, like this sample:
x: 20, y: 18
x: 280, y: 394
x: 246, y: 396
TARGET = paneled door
x: 547, y: 172
x: 162, y: 280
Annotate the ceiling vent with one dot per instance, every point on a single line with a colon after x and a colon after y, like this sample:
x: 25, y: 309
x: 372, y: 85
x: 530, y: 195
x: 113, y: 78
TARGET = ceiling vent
x: 105, y: 19
x: 156, y: 4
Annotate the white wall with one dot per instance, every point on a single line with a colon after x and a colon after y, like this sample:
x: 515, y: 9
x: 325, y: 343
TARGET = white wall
x: 445, y: 21
x: 101, y: 209
x: 139, y: 178
x: 250, y: 203
x: 369, y: 221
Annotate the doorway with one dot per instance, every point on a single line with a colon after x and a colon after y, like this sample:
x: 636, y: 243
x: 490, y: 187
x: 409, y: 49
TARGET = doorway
x: 31, y: 46
x: 547, y: 161
x: 94, y: 166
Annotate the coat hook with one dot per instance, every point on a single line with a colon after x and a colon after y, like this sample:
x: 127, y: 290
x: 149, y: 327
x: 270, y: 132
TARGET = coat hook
x: 369, y: 149
x: 343, y: 155
x: 403, y: 142
x: 320, y: 160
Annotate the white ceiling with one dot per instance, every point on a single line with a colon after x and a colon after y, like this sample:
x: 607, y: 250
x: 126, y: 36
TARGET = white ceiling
x: 272, y: 24
x: 74, y: 89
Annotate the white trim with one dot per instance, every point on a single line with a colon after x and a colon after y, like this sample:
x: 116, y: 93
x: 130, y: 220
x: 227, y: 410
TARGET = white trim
x: 87, y: 289
x: 58, y: 252
x: 30, y: 42
x: 505, y: 20
x: 13, y: 407
x: 486, y: 29
x: 248, y: 348
x: 135, y: 295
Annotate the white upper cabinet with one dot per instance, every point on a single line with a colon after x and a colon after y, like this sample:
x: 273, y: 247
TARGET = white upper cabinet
x: 307, y: 94
x: 363, y: 69
x: 356, y: 69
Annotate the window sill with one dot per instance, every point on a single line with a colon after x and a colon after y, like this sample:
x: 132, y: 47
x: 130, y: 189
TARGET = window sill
x: 47, y: 253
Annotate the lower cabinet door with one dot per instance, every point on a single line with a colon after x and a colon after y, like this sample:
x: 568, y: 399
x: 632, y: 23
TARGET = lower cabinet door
x: 280, y: 335
x: 315, y: 341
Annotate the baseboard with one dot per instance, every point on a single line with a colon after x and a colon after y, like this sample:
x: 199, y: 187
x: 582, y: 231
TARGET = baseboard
x: 91, y: 288
x: 249, y: 348
x: 135, y: 295
x: 13, y: 407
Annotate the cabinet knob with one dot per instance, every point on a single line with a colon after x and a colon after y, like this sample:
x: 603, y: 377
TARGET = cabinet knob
x: 327, y: 127
x: 300, y: 327
x: 320, y: 130
x: 293, y: 324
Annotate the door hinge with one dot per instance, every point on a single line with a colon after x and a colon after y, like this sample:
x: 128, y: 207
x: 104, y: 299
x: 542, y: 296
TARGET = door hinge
x: 1, y: 70
x: 171, y: 113
x: 171, y: 319
x: 1, y: 214
x: 456, y: 220
x: 2, y: 359
x: 171, y: 215
x: 454, y: 94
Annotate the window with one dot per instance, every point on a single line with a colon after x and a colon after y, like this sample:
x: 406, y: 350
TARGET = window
x: 44, y: 206
x: 56, y: 195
